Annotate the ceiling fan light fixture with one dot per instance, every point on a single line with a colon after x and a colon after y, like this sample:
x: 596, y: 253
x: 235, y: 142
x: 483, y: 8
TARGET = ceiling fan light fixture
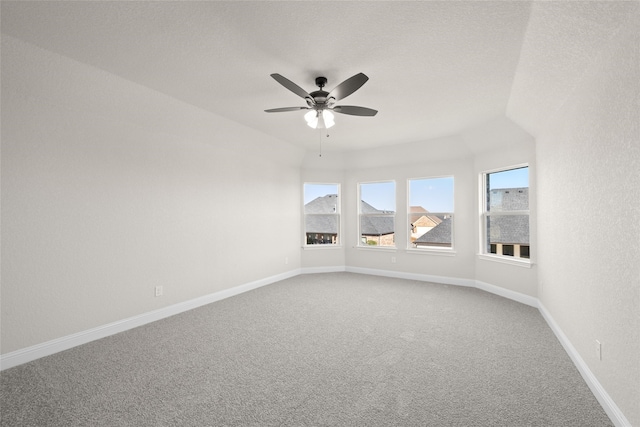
x: 312, y: 119
x: 328, y: 118
x: 320, y: 119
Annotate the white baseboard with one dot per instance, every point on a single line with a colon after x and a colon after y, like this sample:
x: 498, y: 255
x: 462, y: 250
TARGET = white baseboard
x: 609, y: 406
x: 457, y: 281
x: 50, y: 347
x: 507, y: 293
x: 413, y: 276
x: 315, y: 270
x: 37, y: 351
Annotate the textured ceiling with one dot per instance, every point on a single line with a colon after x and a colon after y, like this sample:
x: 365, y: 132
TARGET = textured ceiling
x: 563, y: 39
x: 435, y: 68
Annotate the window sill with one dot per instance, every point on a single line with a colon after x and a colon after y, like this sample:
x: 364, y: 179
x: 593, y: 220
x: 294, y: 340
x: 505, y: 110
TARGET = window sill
x: 505, y: 260
x: 378, y: 248
x: 437, y: 252
x: 320, y: 247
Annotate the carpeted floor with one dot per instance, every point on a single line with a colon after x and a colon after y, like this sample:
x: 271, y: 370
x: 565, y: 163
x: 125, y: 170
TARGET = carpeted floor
x: 336, y: 349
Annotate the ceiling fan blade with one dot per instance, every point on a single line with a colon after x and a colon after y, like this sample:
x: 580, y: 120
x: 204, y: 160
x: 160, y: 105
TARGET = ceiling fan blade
x: 355, y: 111
x: 280, y: 110
x: 348, y: 86
x: 291, y: 86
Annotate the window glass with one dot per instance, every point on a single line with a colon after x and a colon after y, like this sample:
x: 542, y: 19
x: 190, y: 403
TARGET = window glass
x: 507, y: 250
x: 508, y: 190
x: 321, y: 214
x: 376, y: 214
x: 506, y: 213
x: 430, y: 212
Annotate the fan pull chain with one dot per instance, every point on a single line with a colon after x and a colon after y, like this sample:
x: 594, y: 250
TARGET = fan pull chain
x: 320, y: 135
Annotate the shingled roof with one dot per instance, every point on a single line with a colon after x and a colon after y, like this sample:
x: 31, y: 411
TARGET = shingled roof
x: 321, y: 224
x: 509, y: 199
x: 374, y: 225
x: 509, y: 229
x: 326, y: 204
x: 323, y: 220
x: 438, y: 235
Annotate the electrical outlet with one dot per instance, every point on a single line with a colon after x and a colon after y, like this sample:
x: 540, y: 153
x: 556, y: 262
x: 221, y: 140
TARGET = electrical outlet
x: 286, y: 260
x: 158, y: 291
x: 393, y: 260
x: 598, y: 350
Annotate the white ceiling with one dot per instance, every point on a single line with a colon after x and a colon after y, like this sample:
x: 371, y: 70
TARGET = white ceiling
x: 435, y: 68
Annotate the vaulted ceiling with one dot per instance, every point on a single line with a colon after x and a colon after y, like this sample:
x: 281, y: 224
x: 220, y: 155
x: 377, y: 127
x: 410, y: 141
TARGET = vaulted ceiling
x: 435, y: 68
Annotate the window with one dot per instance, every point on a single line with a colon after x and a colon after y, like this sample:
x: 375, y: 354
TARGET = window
x: 431, y: 212
x: 322, y: 214
x: 376, y: 214
x: 505, y: 213
x: 507, y: 250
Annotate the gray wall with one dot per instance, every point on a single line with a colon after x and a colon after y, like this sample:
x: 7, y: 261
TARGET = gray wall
x: 589, y: 218
x: 110, y: 189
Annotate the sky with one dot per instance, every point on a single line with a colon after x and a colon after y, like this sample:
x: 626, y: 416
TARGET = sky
x: 313, y: 191
x: 513, y: 178
x: 380, y: 195
x: 433, y: 194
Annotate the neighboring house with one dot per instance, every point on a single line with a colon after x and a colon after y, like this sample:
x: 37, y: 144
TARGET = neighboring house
x: 440, y: 235
x: 424, y: 223
x: 376, y: 230
x: 509, y: 199
x: 321, y: 220
x: 322, y: 223
x: 509, y: 235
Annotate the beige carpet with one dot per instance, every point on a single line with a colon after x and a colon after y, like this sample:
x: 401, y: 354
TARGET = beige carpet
x: 316, y: 350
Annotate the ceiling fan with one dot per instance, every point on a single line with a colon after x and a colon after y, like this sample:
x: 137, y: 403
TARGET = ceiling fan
x: 321, y: 103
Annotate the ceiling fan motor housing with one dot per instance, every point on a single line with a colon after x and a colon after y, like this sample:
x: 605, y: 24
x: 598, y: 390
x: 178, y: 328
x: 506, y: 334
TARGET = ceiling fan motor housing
x: 320, y: 97
x: 321, y: 82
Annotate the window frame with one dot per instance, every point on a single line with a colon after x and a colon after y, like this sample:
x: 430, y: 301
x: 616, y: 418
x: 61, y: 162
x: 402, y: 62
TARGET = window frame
x: 427, y: 249
x: 484, y: 251
x: 383, y: 213
x: 338, y: 214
